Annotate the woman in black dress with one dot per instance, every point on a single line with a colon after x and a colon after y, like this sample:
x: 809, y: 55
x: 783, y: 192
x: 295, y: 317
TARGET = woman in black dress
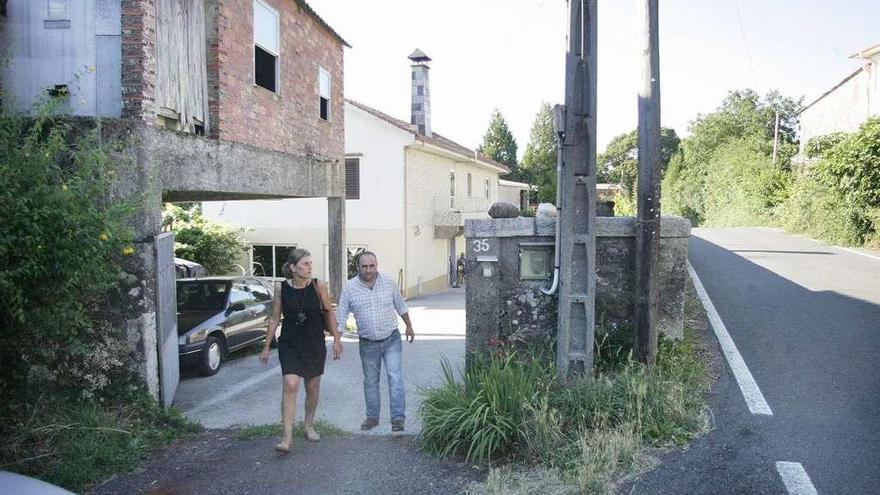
x: 305, y: 304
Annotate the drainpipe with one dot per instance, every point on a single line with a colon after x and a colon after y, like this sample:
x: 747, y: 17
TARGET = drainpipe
x: 559, y: 125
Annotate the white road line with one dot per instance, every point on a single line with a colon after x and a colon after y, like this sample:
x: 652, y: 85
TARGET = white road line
x: 796, y: 480
x: 751, y: 393
x: 853, y: 251
x: 231, y: 392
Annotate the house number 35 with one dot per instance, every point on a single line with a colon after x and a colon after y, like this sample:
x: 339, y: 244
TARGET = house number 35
x: 481, y: 245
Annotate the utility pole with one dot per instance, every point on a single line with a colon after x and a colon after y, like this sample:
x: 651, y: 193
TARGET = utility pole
x: 577, y: 183
x: 776, y: 138
x: 648, y: 224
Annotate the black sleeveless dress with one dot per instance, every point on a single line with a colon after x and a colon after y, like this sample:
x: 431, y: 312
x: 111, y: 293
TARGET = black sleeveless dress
x: 301, y: 347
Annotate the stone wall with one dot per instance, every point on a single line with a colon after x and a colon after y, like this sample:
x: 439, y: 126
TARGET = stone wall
x: 501, y: 307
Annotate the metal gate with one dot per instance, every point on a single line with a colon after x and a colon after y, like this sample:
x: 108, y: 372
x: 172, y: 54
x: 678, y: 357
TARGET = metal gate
x: 166, y: 318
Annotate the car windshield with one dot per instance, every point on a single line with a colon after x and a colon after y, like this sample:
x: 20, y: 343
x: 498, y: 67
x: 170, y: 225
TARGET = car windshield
x: 202, y: 295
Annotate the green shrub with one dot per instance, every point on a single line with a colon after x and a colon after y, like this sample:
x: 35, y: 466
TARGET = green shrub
x: 584, y: 429
x: 62, y: 240
x: 819, y: 145
x: 482, y: 417
x: 74, y: 442
x: 212, y: 245
x: 743, y: 188
x: 624, y: 205
x: 838, y: 199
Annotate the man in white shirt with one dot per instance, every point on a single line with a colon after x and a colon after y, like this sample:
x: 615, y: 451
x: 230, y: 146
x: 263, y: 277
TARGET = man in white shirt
x: 375, y: 301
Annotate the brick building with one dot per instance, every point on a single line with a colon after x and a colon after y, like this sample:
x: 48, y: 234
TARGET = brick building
x: 214, y: 100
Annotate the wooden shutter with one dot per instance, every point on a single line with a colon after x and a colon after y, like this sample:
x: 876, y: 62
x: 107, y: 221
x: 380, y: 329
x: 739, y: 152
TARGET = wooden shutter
x: 352, y: 178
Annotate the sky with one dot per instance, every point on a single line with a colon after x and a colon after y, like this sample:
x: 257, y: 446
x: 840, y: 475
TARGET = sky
x: 510, y: 55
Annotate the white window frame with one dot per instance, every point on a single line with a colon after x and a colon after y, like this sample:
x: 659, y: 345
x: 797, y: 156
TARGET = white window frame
x: 324, y: 72
x: 452, y: 189
x: 274, y: 52
x: 470, y: 184
x: 487, y: 188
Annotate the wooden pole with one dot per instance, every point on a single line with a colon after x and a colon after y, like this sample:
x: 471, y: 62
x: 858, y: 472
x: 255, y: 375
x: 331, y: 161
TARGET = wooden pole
x: 648, y: 225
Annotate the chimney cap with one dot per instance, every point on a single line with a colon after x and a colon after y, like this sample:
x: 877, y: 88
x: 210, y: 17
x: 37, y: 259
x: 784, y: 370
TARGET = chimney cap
x: 419, y: 56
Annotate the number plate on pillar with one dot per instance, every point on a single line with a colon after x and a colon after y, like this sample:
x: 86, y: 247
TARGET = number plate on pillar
x: 485, y: 249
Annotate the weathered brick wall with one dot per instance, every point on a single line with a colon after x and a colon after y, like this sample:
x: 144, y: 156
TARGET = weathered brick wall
x: 139, y: 59
x: 288, y: 119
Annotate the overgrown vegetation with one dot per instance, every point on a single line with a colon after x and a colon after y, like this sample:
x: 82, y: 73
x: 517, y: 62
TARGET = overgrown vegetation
x: 838, y: 198
x: 71, y: 410
x: 74, y: 442
x: 216, y: 247
x: 724, y: 174
x: 711, y: 180
x: 512, y: 408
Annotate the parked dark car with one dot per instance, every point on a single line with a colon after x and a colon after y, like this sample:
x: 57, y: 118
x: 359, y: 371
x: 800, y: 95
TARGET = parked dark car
x: 219, y: 315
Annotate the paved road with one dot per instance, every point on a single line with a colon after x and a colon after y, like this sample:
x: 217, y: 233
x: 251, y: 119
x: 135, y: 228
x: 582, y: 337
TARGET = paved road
x: 806, y: 320
x: 244, y: 392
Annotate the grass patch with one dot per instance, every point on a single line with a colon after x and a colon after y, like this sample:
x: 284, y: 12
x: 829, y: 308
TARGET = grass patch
x: 77, y: 443
x: 579, y: 435
x: 274, y: 430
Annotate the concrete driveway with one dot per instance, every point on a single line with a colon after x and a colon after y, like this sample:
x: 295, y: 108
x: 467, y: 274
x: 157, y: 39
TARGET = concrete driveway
x: 245, y: 392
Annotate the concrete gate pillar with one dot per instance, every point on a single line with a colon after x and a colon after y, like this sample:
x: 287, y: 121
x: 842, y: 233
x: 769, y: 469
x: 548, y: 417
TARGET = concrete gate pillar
x: 336, y: 241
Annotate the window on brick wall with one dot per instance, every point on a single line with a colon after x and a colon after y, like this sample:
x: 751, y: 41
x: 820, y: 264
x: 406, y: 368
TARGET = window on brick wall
x: 323, y: 94
x: 352, y: 178
x: 266, y: 46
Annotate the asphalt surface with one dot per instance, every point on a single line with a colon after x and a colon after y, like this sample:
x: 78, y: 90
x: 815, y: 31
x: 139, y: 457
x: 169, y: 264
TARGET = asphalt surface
x: 218, y: 463
x: 245, y: 392
x: 806, y: 320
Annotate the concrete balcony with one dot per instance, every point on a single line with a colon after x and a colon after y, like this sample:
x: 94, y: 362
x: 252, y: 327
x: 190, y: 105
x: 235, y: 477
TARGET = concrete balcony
x: 450, y: 214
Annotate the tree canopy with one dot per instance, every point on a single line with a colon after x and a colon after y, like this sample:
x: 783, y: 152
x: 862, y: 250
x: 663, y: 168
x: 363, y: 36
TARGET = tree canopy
x: 619, y: 163
x: 500, y: 145
x: 539, y: 161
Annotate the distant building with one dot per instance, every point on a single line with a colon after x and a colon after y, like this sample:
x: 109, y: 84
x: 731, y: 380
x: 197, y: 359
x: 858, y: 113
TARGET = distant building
x: 408, y: 192
x: 847, y: 105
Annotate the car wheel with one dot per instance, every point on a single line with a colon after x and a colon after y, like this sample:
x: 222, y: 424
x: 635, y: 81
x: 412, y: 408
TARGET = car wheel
x: 212, y: 355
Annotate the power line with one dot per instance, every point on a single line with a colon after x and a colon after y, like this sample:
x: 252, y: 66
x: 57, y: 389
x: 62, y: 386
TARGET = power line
x: 742, y: 32
x: 525, y: 23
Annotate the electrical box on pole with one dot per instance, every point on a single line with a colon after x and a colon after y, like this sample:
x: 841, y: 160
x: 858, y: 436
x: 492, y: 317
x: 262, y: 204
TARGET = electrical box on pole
x: 577, y: 208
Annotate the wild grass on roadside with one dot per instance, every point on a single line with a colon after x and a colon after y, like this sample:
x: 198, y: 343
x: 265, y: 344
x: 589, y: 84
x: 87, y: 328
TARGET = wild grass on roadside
x: 583, y: 431
x: 273, y: 430
x: 76, y: 443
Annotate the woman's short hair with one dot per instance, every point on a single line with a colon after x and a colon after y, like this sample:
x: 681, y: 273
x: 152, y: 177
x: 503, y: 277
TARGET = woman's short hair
x: 292, y: 259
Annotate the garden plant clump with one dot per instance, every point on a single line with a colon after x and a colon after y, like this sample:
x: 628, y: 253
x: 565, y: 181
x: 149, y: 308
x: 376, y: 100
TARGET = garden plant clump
x: 511, y: 409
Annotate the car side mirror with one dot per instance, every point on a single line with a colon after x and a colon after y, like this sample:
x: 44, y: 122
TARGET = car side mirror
x: 239, y: 306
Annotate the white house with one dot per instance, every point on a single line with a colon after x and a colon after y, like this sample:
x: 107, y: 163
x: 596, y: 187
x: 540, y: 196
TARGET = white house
x: 515, y: 193
x: 847, y: 105
x: 408, y: 192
